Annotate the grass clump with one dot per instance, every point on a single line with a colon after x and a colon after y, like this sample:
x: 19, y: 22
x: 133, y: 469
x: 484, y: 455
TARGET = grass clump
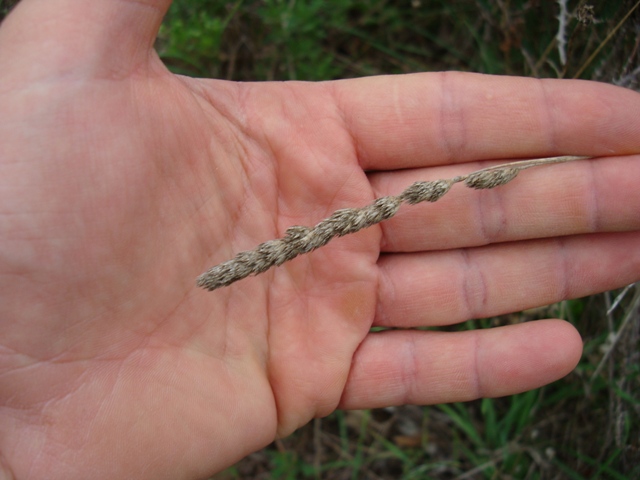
x: 316, y: 40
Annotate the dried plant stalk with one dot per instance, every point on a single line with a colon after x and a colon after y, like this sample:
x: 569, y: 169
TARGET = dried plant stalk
x: 299, y: 239
x: 561, y: 36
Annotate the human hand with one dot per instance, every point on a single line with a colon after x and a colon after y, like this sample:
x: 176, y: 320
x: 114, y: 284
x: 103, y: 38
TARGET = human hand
x: 120, y: 183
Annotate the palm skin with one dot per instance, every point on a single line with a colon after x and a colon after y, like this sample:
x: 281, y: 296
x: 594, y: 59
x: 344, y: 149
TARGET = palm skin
x: 121, y: 182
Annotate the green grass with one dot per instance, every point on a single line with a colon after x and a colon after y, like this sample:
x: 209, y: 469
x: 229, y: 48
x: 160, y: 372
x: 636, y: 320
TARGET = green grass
x: 319, y: 40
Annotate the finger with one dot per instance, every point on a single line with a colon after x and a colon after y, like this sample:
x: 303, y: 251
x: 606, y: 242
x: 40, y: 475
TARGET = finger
x: 585, y: 196
x: 416, y: 367
x: 447, y: 287
x: 61, y: 37
x: 441, y: 118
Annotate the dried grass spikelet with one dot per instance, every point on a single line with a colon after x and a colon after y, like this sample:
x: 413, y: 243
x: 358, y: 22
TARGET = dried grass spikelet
x: 299, y: 239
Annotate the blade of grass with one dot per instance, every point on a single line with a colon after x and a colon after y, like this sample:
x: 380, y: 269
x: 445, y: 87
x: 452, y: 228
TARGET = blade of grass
x: 460, y: 416
x: 356, y: 466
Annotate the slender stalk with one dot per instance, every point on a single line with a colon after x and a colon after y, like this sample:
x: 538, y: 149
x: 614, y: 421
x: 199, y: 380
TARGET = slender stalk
x: 605, y: 41
x: 299, y: 239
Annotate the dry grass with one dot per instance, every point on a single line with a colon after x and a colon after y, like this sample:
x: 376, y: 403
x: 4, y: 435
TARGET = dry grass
x: 299, y: 240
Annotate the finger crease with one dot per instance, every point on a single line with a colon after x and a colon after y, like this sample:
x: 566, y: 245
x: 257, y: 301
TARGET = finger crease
x: 474, y: 289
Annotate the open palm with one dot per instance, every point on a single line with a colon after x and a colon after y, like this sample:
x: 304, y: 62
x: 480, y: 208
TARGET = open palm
x: 120, y: 183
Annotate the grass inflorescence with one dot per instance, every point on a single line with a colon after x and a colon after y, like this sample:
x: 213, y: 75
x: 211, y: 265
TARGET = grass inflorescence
x: 300, y: 240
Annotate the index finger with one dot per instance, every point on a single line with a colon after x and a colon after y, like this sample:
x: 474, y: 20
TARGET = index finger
x: 429, y: 119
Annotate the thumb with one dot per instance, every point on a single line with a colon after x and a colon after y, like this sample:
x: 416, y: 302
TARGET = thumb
x: 98, y: 38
